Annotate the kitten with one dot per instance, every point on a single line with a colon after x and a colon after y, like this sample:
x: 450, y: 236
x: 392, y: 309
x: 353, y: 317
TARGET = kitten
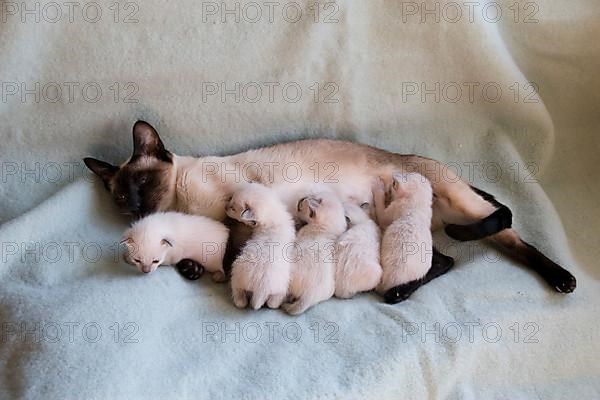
x: 313, y: 272
x: 406, y: 247
x: 357, y: 253
x: 170, y: 237
x: 262, y: 270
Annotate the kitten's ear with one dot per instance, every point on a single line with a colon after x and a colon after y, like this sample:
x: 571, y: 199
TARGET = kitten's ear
x: 146, y: 142
x: 247, y: 216
x: 313, y: 204
x: 402, y: 185
x: 103, y: 169
x: 127, y: 241
x: 166, y: 242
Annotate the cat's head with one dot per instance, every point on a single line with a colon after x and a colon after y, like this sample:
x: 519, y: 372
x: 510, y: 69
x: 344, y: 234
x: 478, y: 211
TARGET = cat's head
x: 146, y: 182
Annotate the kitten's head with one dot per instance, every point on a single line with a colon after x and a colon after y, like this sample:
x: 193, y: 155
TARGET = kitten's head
x: 410, y: 185
x: 357, y: 214
x: 323, y: 209
x: 254, y: 205
x: 145, y: 250
x: 146, y: 182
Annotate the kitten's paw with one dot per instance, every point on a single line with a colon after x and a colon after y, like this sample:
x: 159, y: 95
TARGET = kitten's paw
x: 219, y: 277
x: 275, y: 300
x: 294, y: 308
x: 378, y: 186
x: 190, y: 269
x: 561, y: 280
x: 240, y: 298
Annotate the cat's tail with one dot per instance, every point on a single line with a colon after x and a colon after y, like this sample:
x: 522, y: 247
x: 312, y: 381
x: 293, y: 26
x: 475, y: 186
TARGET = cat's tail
x: 497, y: 227
x: 495, y: 222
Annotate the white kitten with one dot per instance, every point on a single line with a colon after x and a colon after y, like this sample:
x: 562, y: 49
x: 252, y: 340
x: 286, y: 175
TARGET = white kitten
x: 169, y: 237
x: 406, y: 248
x: 357, y: 253
x: 262, y: 270
x: 313, y: 272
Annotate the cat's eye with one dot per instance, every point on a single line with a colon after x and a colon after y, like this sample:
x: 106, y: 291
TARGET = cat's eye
x: 143, y: 180
x: 137, y: 260
x: 364, y: 205
x: 121, y: 197
x: 348, y: 220
x: 395, y: 185
x: 154, y: 261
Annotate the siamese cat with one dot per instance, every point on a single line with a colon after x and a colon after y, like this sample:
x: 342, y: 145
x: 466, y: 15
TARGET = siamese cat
x: 406, y: 247
x: 262, y: 270
x: 154, y: 179
x: 313, y: 271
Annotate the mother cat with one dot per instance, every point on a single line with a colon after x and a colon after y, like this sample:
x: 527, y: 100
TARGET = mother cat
x: 154, y: 179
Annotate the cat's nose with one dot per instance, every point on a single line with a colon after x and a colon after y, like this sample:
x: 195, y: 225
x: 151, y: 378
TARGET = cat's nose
x: 146, y: 269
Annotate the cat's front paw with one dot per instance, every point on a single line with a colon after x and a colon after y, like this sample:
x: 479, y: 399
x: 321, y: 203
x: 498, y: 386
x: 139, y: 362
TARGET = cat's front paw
x: 190, y: 269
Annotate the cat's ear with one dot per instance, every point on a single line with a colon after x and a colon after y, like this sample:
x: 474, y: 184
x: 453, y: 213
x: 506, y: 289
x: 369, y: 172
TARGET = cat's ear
x: 103, y: 169
x: 146, y: 142
x: 166, y: 242
x: 247, y: 216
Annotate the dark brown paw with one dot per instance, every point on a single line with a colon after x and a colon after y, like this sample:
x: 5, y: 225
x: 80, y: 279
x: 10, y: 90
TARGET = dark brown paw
x: 190, y: 269
x: 400, y: 293
x: 562, y: 281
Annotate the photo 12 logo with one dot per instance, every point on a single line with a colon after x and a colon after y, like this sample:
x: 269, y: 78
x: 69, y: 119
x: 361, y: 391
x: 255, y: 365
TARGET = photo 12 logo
x: 469, y: 92
x: 469, y: 11
x: 470, y: 331
x: 69, y: 332
x: 269, y: 332
x: 252, y: 12
x: 67, y: 92
x: 271, y: 92
x: 68, y: 12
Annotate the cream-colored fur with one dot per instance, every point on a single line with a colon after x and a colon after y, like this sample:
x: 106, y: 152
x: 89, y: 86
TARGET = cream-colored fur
x: 262, y: 270
x: 167, y: 238
x: 406, y: 247
x: 204, y: 185
x: 357, y: 253
x: 313, y: 272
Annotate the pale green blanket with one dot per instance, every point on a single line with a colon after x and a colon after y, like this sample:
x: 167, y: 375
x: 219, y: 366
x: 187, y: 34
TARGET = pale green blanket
x: 76, y: 322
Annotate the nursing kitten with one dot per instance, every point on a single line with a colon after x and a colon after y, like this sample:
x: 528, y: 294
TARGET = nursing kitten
x: 262, y: 270
x: 406, y: 247
x: 170, y: 237
x: 357, y: 253
x: 313, y: 271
